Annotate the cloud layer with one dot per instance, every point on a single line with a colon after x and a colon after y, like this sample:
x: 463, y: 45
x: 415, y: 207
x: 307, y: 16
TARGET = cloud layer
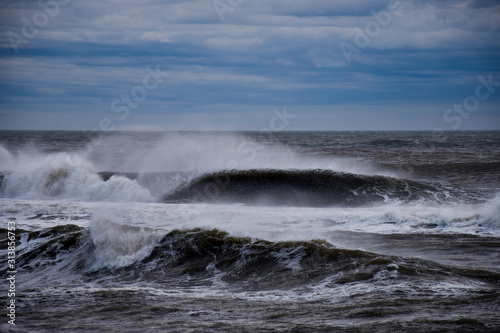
x: 336, y: 64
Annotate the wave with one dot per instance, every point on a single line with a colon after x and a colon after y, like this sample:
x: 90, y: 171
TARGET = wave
x: 141, y: 168
x: 313, y: 188
x: 66, y: 175
x: 194, y: 168
x: 144, y: 255
x: 61, y: 177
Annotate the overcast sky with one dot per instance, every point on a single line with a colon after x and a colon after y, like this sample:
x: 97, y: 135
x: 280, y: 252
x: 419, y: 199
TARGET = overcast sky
x: 250, y: 64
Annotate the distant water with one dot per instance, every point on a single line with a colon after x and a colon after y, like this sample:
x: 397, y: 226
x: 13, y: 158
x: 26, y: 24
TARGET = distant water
x: 252, y: 231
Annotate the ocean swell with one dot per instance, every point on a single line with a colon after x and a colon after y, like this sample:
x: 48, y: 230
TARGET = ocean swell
x: 311, y: 188
x: 208, y: 256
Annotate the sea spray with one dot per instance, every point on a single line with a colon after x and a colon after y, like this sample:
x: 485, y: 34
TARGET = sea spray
x: 66, y: 176
x: 118, y: 244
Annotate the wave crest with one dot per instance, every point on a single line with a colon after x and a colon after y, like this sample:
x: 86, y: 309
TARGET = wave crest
x: 66, y: 176
x: 209, y: 256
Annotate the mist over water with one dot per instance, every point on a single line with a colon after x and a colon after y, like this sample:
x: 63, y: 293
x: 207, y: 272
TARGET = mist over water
x: 38, y: 173
x: 375, y: 225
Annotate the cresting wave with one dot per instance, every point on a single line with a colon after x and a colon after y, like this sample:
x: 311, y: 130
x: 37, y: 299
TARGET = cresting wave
x: 301, y: 188
x: 212, y: 255
x: 311, y: 188
x: 180, y: 168
x: 64, y: 175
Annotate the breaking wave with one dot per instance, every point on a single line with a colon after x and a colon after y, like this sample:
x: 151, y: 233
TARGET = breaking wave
x: 183, y: 169
x: 313, y: 188
x: 67, y: 175
x: 204, y: 256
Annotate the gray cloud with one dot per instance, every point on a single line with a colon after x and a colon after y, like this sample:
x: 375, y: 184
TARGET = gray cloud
x: 264, y: 53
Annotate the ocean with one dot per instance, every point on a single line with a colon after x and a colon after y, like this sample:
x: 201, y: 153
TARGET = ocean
x: 250, y: 231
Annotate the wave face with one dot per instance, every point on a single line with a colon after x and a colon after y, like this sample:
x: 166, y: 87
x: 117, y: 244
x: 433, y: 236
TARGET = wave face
x: 111, y: 273
x: 142, y: 254
x: 313, y: 188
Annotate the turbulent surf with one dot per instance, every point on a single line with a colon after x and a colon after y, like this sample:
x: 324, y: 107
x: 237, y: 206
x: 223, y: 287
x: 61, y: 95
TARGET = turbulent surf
x: 246, y: 232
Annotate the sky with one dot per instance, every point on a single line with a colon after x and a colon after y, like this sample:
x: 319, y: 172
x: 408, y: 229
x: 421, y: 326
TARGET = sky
x: 249, y: 65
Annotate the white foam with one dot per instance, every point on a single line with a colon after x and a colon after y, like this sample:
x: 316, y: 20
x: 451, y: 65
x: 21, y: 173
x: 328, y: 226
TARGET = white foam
x: 124, y: 233
x: 118, y: 244
x: 491, y: 211
x: 290, y: 258
x: 271, y: 223
x: 66, y: 175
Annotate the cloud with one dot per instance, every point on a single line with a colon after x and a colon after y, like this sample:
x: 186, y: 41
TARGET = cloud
x: 283, y: 52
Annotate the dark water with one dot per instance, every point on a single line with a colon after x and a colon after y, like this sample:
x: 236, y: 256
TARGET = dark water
x: 253, y: 232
